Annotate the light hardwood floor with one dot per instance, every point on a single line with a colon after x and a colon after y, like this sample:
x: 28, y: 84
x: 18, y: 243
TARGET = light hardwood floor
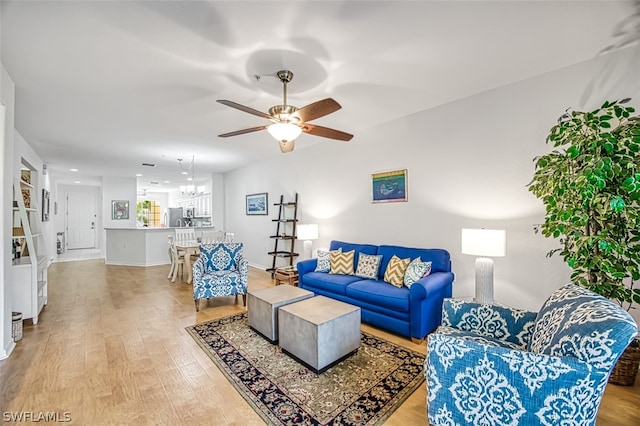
x: 110, y: 348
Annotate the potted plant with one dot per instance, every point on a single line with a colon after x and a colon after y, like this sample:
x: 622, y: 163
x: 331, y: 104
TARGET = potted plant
x: 590, y: 186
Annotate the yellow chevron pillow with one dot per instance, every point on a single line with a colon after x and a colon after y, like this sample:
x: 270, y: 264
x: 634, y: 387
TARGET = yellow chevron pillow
x: 394, y: 274
x: 341, y: 262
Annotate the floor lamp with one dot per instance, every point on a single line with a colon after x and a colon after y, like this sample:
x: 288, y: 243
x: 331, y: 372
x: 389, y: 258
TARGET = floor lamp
x: 484, y: 243
x: 307, y: 233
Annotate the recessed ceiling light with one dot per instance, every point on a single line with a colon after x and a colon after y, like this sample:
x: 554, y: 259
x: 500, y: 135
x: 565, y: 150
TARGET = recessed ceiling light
x: 138, y: 175
x: 73, y: 170
x: 185, y: 173
x: 77, y: 181
x: 189, y: 179
x: 167, y: 181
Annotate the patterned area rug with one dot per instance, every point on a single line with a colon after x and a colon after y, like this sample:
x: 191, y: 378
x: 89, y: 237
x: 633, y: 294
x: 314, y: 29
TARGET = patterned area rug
x: 364, y: 389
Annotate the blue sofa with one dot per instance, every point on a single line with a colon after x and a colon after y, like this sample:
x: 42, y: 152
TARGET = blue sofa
x: 413, y: 312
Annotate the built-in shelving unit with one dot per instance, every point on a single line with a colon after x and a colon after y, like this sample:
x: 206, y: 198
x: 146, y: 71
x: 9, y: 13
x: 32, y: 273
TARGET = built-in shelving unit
x: 29, y: 284
x: 285, y: 236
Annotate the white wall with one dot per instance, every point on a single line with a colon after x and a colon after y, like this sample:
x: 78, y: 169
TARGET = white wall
x: 468, y: 166
x: 7, y: 102
x: 118, y: 189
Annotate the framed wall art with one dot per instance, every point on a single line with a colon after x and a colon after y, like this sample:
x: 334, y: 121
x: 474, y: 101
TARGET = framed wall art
x: 257, y: 204
x: 389, y: 187
x: 119, y: 209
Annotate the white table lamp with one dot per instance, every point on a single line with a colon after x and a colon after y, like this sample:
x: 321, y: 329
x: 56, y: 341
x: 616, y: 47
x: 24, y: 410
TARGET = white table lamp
x: 307, y: 233
x: 485, y: 243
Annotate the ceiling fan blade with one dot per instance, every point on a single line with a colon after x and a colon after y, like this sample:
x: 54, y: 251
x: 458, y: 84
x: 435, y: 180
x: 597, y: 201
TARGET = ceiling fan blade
x: 242, y: 132
x: 287, y: 146
x: 326, y: 132
x: 317, y: 109
x: 246, y: 109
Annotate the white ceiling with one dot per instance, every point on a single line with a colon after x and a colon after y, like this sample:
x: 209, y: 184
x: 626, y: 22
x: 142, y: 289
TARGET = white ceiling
x: 103, y: 86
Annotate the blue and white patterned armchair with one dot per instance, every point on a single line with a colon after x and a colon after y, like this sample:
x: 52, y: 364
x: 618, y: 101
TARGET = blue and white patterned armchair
x: 491, y: 365
x: 220, y: 271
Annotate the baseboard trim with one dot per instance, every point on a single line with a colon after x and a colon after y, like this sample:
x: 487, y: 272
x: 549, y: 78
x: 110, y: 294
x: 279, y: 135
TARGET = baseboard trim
x: 6, y: 352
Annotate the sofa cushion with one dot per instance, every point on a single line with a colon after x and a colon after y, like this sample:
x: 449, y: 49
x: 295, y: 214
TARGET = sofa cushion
x: 380, y: 294
x: 329, y: 283
x: 439, y: 258
x: 394, y: 274
x: 324, y: 261
x: 415, y: 271
x: 341, y: 262
x: 368, y: 266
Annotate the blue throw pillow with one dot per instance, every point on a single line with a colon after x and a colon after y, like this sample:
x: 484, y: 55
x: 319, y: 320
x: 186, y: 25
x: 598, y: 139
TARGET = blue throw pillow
x: 415, y: 271
x: 324, y: 261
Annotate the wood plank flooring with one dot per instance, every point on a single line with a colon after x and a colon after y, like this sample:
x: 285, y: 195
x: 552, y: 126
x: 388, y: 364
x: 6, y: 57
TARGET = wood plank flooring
x: 110, y: 348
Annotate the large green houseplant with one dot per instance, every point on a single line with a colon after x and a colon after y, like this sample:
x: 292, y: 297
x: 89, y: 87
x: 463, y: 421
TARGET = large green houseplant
x: 590, y: 186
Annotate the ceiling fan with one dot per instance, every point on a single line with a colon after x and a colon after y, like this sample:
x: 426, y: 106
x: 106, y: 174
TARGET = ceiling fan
x: 289, y: 121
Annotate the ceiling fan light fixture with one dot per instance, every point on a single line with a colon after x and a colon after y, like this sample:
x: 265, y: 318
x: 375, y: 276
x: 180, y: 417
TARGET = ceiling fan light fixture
x: 284, y: 132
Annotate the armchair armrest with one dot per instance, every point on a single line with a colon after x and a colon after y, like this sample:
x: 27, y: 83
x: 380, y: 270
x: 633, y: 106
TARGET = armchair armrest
x: 243, y: 269
x: 198, y: 269
x: 496, y: 322
x: 469, y: 382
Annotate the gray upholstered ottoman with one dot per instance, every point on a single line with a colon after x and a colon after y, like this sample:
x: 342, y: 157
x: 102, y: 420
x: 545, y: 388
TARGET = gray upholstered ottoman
x: 319, y: 332
x: 263, y: 304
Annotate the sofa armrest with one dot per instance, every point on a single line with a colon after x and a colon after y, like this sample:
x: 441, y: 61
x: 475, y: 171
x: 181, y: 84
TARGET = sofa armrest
x: 433, y: 283
x: 425, y: 302
x: 308, y: 265
x: 494, y: 321
x: 469, y: 382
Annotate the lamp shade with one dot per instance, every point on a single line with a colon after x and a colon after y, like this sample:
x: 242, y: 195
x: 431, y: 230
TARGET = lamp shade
x: 284, y: 131
x: 484, y: 242
x: 308, y: 232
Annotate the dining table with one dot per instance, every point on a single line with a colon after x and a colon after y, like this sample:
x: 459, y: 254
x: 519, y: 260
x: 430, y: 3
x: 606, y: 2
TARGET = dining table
x: 190, y: 248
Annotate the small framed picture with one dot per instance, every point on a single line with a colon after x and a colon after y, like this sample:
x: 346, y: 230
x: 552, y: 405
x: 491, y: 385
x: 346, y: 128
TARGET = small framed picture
x: 257, y: 204
x: 389, y: 187
x: 119, y: 209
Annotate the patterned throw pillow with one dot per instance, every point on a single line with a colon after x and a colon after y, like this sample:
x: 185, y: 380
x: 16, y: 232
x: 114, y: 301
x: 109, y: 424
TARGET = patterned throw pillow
x: 324, y: 262
x: 342, y: 263
x: 416, y: 270
x: 395, y: 271
x: 368, y: 266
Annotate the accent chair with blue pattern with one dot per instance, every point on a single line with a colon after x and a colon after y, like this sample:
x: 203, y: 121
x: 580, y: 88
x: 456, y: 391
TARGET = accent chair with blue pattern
x: 492, y: 365
x: 221, y: 270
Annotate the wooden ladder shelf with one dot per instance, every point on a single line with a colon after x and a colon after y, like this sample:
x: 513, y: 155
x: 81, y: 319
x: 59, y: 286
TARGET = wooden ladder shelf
x: 285, y: 236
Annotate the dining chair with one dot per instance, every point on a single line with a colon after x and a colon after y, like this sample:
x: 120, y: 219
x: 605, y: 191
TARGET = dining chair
x: 177, y: 260
x: 210, y: 237
x: 185, y: 234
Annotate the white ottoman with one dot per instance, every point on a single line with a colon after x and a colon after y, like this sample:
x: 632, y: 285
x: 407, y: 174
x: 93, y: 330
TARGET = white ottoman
x: 263, y: 304
x: 319, y: 332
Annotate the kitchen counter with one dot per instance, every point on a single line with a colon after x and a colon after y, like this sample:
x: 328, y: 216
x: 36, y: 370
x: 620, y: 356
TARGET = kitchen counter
x: 141, y: 246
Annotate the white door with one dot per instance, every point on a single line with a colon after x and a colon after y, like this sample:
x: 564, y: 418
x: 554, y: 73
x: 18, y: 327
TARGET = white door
x: 81, y: 220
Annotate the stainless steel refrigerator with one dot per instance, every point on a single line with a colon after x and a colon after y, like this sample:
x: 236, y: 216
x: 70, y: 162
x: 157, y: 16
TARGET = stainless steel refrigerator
x: 173, y: 216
